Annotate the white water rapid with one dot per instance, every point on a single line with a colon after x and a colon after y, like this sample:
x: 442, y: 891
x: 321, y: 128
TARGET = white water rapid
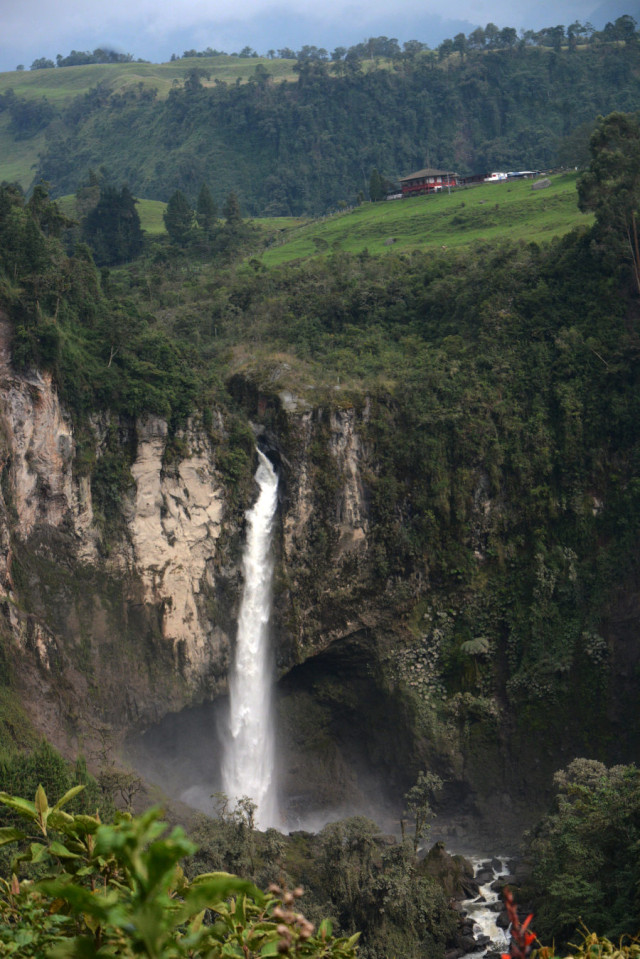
x: 482, y: 909
x: 248, y: 767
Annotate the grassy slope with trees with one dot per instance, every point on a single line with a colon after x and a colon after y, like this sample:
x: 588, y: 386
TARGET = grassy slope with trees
x: 466, y: 217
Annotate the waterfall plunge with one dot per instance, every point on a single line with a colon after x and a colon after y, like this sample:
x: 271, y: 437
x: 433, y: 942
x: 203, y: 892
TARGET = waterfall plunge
x: 249, y: 756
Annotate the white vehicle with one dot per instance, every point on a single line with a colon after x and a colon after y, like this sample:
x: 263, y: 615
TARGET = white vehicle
x: 495, y: 177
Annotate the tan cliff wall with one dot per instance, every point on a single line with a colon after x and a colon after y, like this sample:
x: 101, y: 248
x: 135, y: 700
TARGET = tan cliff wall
x: 120, y: 634
x: 125, y: 629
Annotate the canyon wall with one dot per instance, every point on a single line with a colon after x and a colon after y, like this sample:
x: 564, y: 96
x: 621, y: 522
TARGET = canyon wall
x: 116, y: 619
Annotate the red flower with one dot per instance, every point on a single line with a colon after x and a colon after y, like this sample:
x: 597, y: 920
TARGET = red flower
x: 521, y: 940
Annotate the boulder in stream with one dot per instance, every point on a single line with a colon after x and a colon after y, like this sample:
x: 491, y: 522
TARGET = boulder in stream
x: 453, y: 873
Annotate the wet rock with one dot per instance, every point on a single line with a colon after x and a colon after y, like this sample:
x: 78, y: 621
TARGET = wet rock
x: 470, y: 888
x: 452, y: 873
x: 466, y: 943
x: 521, y: 872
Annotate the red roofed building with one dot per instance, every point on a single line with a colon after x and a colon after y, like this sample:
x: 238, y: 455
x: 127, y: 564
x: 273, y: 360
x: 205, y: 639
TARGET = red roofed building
x: 427, y: 181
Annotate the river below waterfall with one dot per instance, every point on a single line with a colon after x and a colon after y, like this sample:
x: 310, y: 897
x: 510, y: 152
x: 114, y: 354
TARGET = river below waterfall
x: 481, y: 913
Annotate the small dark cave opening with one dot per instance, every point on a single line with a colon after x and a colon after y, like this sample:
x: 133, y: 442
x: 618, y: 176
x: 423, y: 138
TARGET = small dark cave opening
x: 344, y: 748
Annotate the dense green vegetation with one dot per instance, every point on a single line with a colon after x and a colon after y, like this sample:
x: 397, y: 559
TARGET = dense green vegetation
x: 102, y: 354
x: 80, y: 885
x: 119, y: 890
x: 352, y: 874
x: 585, y: 853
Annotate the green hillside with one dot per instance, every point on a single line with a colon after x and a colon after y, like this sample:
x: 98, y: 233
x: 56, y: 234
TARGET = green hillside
x: 61, y: 85
x: 18, y: 158
x: 475, y: 215
x: 19, y: 154
x: 511, y: 210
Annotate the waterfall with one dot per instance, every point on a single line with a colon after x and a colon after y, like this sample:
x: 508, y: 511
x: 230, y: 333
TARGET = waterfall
x: 249, y: 757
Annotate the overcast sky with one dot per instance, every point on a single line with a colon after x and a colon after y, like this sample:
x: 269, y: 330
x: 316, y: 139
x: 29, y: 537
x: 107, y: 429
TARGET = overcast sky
x: 154, y: 29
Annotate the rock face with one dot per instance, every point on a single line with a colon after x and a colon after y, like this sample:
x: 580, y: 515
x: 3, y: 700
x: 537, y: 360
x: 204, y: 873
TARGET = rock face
x: 127, y: 627
x: 39, y: 450
x: 174, y: 521
x: 120, y: 631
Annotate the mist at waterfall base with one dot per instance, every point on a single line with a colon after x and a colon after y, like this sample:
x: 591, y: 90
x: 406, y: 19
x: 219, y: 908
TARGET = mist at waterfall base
x: 232, y: 746
x: 183, y: 755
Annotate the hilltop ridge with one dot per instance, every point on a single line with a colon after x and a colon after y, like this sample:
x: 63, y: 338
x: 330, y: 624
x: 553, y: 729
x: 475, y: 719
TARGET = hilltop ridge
x: 301, y: 148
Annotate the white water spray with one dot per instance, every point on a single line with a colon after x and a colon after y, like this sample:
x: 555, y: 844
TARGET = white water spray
x: 249, y: 756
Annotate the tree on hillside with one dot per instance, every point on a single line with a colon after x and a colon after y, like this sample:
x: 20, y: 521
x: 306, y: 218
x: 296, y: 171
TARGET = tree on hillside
x: 611, y: 186
x: 42, y: 63
x: 206, y: 210
x: 460, y: 44
x: 88, y: 194
x: 193, y: 79
x: 112, y: 229
x: 231, y: 211
x: 178, y: 218
x: 47, y: 213
x: 584, y: 853
x: 376, y: 187
x: 418, y: 805
x: 573, y: 150
x: 624, y: 28
x: 476, y: 40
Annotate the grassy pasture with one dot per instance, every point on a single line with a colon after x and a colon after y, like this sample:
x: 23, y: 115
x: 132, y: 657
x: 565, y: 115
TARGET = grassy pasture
x: 62, y: 84
x: 509, y: 210
x: 18, y: 158
x: 465, y: 217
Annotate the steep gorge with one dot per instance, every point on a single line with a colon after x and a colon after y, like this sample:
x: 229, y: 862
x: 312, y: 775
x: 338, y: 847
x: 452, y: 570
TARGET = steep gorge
x: 109, y: 635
